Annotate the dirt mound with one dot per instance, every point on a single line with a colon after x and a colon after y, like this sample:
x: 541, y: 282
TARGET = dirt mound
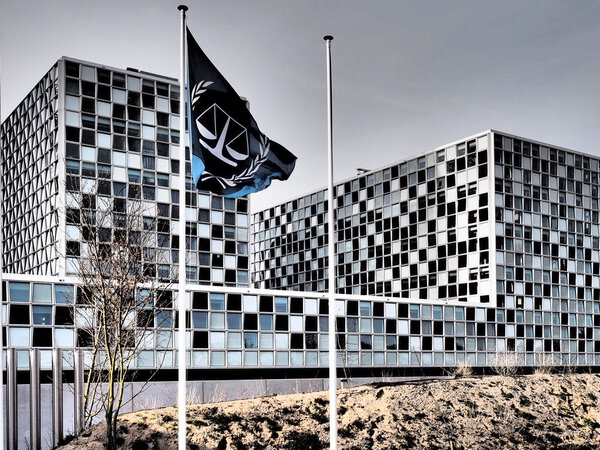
x: 530, y: 412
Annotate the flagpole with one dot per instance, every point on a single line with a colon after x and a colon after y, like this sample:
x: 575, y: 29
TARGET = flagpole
x: 181, y: 345
x: 2, y: 421
x: 331, y: 258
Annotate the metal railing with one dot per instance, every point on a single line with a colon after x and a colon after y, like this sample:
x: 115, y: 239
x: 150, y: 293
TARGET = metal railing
x: 35, y: 404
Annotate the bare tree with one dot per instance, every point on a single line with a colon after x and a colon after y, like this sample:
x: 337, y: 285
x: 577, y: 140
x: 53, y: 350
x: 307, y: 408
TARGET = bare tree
x: 121, y: 300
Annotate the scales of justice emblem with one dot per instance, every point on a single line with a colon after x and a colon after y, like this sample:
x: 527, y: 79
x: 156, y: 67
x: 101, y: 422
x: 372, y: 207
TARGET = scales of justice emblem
x: 226, y: 140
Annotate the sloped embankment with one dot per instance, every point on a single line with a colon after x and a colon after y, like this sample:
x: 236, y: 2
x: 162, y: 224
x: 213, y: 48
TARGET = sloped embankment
x: 533, y: 412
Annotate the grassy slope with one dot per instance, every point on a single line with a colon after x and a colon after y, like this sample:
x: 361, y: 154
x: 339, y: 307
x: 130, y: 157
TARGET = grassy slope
x: 537, y: 412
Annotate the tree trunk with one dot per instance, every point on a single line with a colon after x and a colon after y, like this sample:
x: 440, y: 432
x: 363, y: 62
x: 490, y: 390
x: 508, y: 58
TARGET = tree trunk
x: 111, y: 431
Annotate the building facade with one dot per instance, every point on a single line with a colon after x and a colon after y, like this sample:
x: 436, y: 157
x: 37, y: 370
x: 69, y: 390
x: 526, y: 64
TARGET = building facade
x: 419, y: 229
x: 92, y: 135
x: 484, y: 247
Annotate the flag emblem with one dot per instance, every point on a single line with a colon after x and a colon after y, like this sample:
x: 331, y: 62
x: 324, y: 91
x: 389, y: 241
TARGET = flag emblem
x: 230, y: 156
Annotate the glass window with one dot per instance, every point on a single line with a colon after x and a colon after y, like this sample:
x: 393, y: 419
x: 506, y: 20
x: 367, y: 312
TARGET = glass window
x: 217, y: 320
x: 281, y: 304
x: 64, y: 293
x: 72, y: 102
x: 217, y: 301
x: 19, y: 314
x: 88, y: 73
x: 234, y: 358
x: 104, y: 140
x: 217, y: 358
x: 148, y: 117
x: 266, y: 322
x: 234, y: 340
x: 250, y: 340
x: 146, y: 358
x: 149, y: 162
x: 103, y: 109
x: 19, y: 337
x: 163, y: 179
x: 42, y: 315
x: 64, y: 337
x: 119, y: 96
x: 164, y: 318
x: 162, y: 104
x: 251, y: 358
x: 88, y: 153
x: 266, y: 340
x: 42, y: 293
x: 217, y: 340
x: 365, y: 325
x: 72, y: 119
x: 234, y: 321
x: 200, y: 319
x: 365, y: 308
x: 282, y: 341
x: 266, y: 358
x: 119, y: 158
x: 133, y: 83
x: 19, y: 292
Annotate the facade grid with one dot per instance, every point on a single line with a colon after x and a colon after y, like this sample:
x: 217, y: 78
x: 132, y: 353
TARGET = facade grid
x: 485, y: 246
x: 92, y: 137
x: 417, y: 229
x: 30, y: 166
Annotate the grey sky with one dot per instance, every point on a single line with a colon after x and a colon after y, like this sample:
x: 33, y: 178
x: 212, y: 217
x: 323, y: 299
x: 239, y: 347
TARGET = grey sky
x: 408, y: 75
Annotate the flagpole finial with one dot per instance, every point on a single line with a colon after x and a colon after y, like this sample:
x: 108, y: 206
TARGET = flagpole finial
x: 328, y: 38
x: 182, y: 8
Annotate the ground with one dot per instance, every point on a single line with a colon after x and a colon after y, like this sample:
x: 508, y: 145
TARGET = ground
x: 524, y: 412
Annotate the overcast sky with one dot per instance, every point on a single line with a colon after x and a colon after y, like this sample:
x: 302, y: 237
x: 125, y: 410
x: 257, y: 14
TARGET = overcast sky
x: 409, y: 76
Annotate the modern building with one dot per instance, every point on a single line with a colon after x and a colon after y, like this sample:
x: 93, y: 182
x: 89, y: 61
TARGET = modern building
x: 94, y: 135
x: 486, y: 246
x: 418, y: 229
x: 502, y: 230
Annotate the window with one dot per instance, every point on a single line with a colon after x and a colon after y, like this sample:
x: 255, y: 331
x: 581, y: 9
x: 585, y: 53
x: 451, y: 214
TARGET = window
x: 162, y: 179
x: 19, y: 314
x: 42, y: 293
x: 19, y: 292
x: 234, y: 321
x: 149, y: 162
x: 281, y: 304
x: 250, y: 340
x: 42, y: 315
x: 266, y: 322
x: 64, y: 293
x: 134, y: 176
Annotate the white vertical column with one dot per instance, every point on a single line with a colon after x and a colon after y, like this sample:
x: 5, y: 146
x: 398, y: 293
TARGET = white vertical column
x: 331, y: 257
x: 12, y: 398
x: 57, y: 396
x: 35, y: 415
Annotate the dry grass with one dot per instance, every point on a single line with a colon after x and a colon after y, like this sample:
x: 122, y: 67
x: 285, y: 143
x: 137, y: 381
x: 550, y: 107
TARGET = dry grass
x: 529, y: 412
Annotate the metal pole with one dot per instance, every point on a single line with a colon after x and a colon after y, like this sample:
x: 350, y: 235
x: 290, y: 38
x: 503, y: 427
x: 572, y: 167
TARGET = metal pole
x: 35, y: 415
x: 181, y: 383
x: 57, y: 397
x: 12, y: 398
x: 78, y: 375
x: 331, y: 257
x: 2, y: 344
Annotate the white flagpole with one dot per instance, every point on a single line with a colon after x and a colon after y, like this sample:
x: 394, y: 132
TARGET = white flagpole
x: 331, y: 258
x: 181, y: 344
x: 2, y: 417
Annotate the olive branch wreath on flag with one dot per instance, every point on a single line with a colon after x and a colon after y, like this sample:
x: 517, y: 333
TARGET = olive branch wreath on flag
x: 249, y: 172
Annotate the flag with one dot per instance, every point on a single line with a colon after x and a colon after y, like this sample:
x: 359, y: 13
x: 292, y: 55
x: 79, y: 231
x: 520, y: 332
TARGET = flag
x: 230, y: 156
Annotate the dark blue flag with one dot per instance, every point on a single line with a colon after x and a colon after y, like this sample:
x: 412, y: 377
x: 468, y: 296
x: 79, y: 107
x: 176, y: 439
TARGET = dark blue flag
x: 230, y: 156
